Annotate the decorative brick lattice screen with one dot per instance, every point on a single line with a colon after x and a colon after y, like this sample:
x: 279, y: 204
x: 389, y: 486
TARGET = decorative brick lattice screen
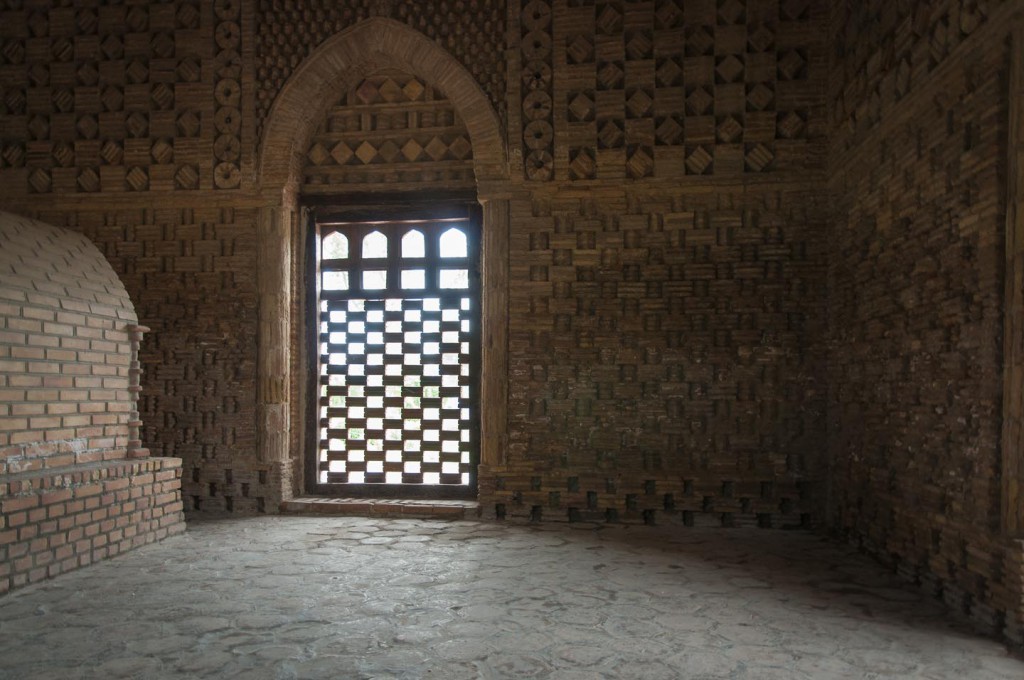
x: 398, y: 322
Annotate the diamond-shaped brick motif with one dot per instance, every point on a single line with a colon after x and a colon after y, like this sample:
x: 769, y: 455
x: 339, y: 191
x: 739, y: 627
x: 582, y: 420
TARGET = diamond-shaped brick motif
x: 412, y: 150
x: 137, y: 18
x: 579, y: 49
x: 639, y: 45
x: 792, y: 65
x: 759, y: 97
x: 639, y: 104
x: 758, y: 157
x: 88, y: 180
x: 112, y: 98
x: 188, y: 70
x: 136, y: 179
x: 760, y: 38
x: 317, y: 154
x: 162, y: 96
x: 668, y: 132
x: 460, y: 148
x: 63, y: 99
x: 791, y: 125
x: 13, y: 51
x: 342, y: 153
x: 699, y: 101
x: 668, y: 14
x: 13, y: 155
x: 39, y: 74
x: 728, y: 129
x: 730, y: 12
x: 111, y: 152
x: 39, y: 24
x: 14, y: 100
x: 112, y: 47
x: 188, y: 124
x: 87, y: 73
x: 39, y: 181
x: 413, y: 90
x: 609, y: 19
x: 390, y: 91
x: 186, y: 177
x: 38, y: 127
x: 367, y: 92
x: 63, y: 154
x: 137, y: 124
x: 582, y: 164
x: 581, y: 106
x: 436, y: 149
x: 698, y: 41
x: 162, y: 151
x: 609, y: 75
x: 669, y: 72
x: 62, y: 49
x: 609, y: 134
x: 136, y: 72
x: 389, y: 151
x: 640, y: 162
x: 728, y: 69
x: 793, y: 10
x: 162, y: 45
x: 86, y: 21
x: 188, y: 16
x: 698, y: 161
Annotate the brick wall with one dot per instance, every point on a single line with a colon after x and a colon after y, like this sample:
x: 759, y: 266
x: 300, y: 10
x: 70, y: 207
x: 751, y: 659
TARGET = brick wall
x: 192, y: 276
x: 916, y: 300
x: 52, y: 523
x: 665, y: 358
x: 69, y: 382
x: 65, y: 351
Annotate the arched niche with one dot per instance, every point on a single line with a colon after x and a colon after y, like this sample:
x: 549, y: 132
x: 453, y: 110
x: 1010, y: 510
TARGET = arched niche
x: 353, y: 54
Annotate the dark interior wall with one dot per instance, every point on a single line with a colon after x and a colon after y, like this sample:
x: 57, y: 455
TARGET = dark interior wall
x: 918, y: 107
x: 667, y: 262
x: 666, y: 236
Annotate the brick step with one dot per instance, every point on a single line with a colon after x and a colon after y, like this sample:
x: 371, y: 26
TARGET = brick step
x: 382, y: 507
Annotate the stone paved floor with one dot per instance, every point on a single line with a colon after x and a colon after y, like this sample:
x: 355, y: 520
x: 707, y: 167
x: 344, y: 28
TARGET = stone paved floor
x: 334, y: 597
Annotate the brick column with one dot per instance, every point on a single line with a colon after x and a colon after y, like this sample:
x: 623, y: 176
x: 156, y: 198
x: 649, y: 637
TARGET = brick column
x: 135, y: 449
x: 274, y: 284
x: 1013, y: 322
x: 494, y: 352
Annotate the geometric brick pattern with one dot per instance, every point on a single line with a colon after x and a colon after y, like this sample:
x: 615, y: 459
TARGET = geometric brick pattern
x: 646, y: 93
x: 191, y: 274
x: 474, y: 35
x: 390, y: 128
x: 664, y: 339
x: 865, y: 87
x: 99, y: 97
x: 537, y: 82
x: 917, y: 297
x: 228, y: 92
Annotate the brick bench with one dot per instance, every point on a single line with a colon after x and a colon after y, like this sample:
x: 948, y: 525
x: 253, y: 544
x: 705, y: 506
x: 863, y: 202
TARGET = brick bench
x: 56, y: 520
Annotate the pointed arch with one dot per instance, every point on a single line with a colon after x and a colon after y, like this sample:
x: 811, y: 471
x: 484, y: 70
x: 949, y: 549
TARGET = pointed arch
x: 349, y: 56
